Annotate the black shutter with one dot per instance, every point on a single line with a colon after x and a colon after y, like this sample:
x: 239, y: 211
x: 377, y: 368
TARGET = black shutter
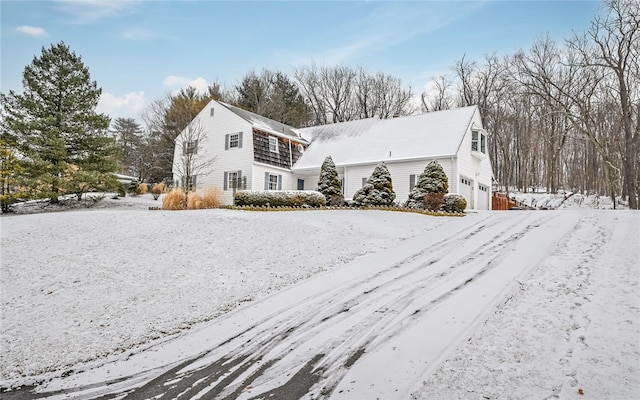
x: 224, y: 183
x: 240, y: 140
x: 226, y: 142
x: 412, y: 182
x: 266, y: 181
x: 364, y: 181
x: 279, y: 182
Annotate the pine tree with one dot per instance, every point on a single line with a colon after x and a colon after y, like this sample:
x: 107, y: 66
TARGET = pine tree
x: 329, y: 183
x: 128, y: 135
x: 378, y: 190
x: 11, y: 173
x: 433, y: 180
x: 64, y: 142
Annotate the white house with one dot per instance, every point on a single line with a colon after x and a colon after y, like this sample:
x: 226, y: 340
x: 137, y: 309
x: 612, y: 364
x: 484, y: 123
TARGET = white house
x: 274, y: 156
x: 245, y: 148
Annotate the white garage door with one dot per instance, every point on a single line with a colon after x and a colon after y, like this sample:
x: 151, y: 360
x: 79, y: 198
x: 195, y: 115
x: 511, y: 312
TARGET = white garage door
x: 483, y: 197
x: 466, y: 190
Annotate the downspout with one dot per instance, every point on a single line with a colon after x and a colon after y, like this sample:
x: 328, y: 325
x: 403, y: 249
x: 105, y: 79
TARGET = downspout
x: 344, y: 189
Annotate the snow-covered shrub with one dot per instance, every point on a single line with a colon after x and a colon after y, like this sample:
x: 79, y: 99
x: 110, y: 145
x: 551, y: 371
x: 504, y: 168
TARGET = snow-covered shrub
x: 433, y: 201
x: 378, y: 190
x: 174, y: 200
x: 454, y: 203
x: 134, y: 188
x: 329, y: 183
x: 432, y: 180
x: 279, y: 198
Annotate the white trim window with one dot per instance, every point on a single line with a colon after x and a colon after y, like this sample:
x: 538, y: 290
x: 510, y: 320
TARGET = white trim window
x: 190, y: 148
x: 273, y: 144
x: 272, y: 181
x: 479, y: 141
x: 233, y: 141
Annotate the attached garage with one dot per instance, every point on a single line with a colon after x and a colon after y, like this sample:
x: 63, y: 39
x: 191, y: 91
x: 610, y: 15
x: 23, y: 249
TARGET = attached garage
x: 466, y: 190
x: 483, y: 197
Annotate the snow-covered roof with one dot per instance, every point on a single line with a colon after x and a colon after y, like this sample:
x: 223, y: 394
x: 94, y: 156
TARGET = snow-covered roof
x: 265, y: 124
x: 434, y: 134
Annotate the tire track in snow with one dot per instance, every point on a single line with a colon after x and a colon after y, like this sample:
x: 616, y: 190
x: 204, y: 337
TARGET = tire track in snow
x: 321, y: 338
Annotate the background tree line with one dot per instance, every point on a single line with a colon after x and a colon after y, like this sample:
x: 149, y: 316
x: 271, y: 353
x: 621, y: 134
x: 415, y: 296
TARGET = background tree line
x: 559, y: 115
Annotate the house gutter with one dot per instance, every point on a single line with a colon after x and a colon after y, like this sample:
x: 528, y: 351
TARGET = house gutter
x: 398, y: 160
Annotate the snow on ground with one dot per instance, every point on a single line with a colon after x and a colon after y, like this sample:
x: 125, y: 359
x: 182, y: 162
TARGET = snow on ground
x: 563, y: 323
x: 573, y: 328
x: 80, y: 285
x: 567, y: 200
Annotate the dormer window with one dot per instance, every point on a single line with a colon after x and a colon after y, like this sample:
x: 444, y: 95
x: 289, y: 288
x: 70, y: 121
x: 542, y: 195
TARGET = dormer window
x: 273, y: 144
x: 479, y: 141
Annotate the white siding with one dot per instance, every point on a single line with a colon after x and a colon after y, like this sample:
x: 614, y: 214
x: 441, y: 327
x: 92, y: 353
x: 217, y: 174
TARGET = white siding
x: 478, y: 170
x: 400, y: 173
x: 289, y: 182
x: 217, y: 126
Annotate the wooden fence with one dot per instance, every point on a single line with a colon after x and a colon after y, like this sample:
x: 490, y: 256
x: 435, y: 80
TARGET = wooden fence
x: 501, y: 201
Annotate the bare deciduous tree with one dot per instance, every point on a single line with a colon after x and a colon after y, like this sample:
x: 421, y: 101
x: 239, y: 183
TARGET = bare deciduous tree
x: 192, y: 156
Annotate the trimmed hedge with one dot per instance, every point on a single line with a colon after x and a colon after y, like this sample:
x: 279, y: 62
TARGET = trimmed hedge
x: 454, y: 203
x: 279, y: 198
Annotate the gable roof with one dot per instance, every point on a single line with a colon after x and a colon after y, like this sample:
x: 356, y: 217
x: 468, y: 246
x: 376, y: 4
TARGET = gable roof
x: 430, y: 135
x: 265, y: 124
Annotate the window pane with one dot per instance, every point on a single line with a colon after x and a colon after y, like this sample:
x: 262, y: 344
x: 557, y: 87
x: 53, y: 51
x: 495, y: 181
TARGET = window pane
x: 273, y: 182
x: 234, y: 140
x: 273, y: 144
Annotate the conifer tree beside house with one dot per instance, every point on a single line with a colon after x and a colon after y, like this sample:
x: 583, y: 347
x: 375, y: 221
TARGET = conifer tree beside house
x: 378, y: 190
x: 430, y: 189
x: 62, y: 140
x: 329, y: 183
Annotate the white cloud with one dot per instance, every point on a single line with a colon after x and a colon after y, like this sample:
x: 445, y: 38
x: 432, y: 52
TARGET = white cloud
x: 88, y: 11
x: 131, y: 105
x: 31, y: 30
x: 175, y: 83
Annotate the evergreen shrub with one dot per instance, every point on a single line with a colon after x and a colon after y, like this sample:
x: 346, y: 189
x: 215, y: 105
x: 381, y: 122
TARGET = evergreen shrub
x: 134, y: 188
x: 454, y: 203
x: 378, y: 190
x: 432, y: 180
x: 329, y: 183
x: 280, y: 198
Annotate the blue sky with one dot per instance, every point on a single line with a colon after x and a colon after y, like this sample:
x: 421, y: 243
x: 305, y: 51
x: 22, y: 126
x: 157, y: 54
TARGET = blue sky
x: 139, y: 51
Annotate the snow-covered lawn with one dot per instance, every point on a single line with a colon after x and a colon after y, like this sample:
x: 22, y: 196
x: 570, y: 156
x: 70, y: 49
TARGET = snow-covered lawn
x: 79, y: 285
x: 557, y: 294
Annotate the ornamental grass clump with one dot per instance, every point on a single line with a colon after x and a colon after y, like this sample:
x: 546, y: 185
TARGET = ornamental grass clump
x: 157, y: 190
x: 211, y: 197
x: 195, y: 201
x: 174, y: 200
x: 143, y: 188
